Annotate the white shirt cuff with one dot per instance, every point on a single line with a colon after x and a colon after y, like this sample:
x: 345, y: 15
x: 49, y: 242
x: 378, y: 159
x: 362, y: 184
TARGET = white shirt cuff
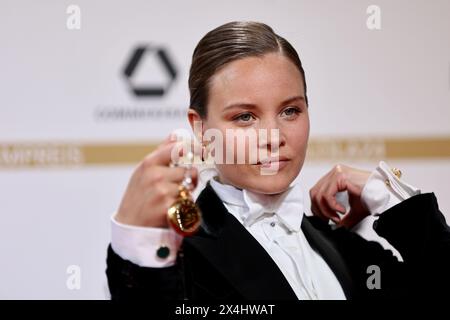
x: 140, y: 244
x: 379, y: 196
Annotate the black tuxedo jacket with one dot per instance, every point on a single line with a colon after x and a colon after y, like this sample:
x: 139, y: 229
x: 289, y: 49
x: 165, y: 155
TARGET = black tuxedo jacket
x: 224, y: 261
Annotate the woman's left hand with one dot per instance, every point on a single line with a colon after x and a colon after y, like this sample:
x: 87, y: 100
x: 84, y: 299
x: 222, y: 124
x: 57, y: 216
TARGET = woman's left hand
x: 323, y: 195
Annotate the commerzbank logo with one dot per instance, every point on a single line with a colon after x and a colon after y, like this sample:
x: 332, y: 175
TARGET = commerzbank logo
x: 149, y: 71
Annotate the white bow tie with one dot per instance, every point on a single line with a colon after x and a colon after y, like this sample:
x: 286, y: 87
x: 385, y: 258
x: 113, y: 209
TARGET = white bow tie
x: 288, y: 206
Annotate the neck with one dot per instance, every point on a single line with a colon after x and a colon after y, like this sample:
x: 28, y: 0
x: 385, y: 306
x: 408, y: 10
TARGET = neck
x: 262, y: 197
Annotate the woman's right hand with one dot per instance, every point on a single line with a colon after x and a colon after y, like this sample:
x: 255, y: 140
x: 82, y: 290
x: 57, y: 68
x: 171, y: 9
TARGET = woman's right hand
x: 153, y: 188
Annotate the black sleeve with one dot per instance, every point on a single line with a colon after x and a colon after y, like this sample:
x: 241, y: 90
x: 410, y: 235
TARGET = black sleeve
x: 418, y: 230
x: 361, y: 255
x: 128, y: 281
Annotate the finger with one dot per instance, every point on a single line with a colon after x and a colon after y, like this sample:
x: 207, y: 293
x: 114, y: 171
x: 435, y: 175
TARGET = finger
x: 177, y: 174
x: 324, y: 197
x: 349, y: 220
x: 314, y: 194
x: 315, y: 210
x: 318, y: 186
x: 327, y: 211
x: 174, y: 175
x: 331, y: 191
x: 353, y: 190
x: 165, y: 154
x: 167, y: 190
x: 172, y: 137
x: 336, y: 205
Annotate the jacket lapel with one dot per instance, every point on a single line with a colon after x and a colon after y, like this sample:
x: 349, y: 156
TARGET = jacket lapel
x: 236, y: 254
x: 319, y: 240
x: 251, y: 270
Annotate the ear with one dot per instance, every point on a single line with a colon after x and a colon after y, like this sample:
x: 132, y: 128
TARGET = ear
x: 193, y: 117
x: 196, y: 122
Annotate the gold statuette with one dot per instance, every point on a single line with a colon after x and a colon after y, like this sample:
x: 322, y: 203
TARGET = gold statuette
x: 184, y: 215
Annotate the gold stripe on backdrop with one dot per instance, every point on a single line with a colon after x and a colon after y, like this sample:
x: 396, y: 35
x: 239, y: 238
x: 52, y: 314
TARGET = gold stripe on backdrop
x: 321, y: 149
x: 18, y: 155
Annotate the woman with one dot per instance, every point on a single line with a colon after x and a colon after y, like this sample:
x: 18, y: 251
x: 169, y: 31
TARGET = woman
x: 254, y: 241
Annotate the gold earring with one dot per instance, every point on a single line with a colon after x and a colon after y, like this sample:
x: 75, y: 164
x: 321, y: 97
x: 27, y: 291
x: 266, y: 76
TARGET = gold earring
x: 204, y: 152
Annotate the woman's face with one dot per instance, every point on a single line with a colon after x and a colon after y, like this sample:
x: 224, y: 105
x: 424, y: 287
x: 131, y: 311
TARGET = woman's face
x: 257, y: 93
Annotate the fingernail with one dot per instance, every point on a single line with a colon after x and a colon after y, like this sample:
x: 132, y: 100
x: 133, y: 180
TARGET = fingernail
x: 173, y: 136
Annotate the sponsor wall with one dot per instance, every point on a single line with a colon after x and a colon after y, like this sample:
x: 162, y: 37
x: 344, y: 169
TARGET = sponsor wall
x: 89, y: 88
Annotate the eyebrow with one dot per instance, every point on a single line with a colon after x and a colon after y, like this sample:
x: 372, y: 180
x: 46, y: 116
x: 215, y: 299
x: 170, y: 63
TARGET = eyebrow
x: 253, y: 106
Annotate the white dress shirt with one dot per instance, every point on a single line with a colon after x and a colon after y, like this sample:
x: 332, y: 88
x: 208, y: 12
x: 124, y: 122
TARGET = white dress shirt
x: 384, y: 190
x: 275, y: 222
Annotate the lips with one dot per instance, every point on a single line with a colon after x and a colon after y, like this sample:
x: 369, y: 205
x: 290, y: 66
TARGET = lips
x: 273, y: 163
x: 268, y: 161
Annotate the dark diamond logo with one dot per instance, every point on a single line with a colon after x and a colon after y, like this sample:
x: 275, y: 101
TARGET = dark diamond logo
x: 149, y: 71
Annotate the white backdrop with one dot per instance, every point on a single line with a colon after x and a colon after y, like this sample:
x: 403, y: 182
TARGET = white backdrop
x: 66, y: 88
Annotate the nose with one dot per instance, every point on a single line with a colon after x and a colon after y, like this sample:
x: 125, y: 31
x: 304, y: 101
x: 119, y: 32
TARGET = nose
x: 271, y: 136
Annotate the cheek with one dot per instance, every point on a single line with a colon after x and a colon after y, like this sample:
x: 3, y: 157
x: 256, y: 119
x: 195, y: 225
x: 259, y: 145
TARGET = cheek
x: 298, y: 135
x: 299, y: 126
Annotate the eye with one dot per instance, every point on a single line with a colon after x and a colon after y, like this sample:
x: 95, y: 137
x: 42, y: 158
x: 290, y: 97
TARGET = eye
x: 291, y: 112
x: 244, y: 117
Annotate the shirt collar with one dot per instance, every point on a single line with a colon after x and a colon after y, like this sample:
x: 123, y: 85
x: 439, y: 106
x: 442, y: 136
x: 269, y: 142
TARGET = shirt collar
x: 287, y: 206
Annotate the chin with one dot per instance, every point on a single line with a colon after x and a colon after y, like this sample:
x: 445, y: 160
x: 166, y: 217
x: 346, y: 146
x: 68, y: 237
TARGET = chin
x: 269, y: 184
x: 266, y: 184
x: 250, y: 178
